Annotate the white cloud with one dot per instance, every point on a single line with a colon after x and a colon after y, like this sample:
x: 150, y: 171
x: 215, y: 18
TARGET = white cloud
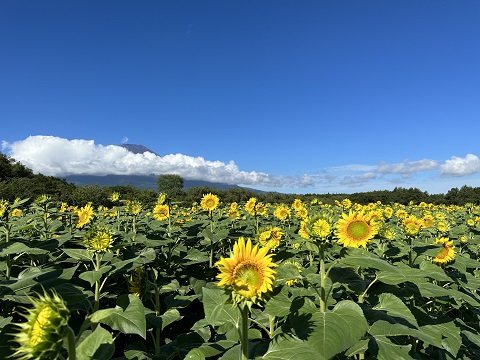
x: 54, y: 156
x: 458, y: 166
x: 124, y: 140
x: 407, y: 168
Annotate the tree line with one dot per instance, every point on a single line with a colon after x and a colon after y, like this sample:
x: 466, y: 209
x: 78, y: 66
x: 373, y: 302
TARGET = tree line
x: 18, y: 181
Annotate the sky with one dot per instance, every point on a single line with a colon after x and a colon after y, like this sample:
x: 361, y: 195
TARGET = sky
x: 307, y: 96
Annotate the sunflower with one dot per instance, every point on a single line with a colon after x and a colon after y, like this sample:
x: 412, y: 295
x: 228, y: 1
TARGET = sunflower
x: 114, y: 197
x: 446, y: 253
x: 301, y: 212
x: 353, y: 230
x: 134, y: 207
x: 319, y: 226
x: 17, y: 212
x: 282, y: 212
x: 270, y: 237
x: 250, y: 206
x: 98, y: 239
x: 412, y: 225
x: 247, y: 272
x: 161, y: 212
x: 302, y: 231
x: 209, y: 202
x: 85, y: 215
x: 41, y: 336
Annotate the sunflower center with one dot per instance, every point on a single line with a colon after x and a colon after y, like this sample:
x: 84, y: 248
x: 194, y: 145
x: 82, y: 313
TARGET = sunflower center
x: 248, y: 277
x: 442, y: 254
x: 358, y: 229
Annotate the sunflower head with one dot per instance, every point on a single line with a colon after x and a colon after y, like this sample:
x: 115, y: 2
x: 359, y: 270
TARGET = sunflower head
x: 248, y: 273
x: 85, y: 215
x: 446, y: 253
x: 270, y: 237
x: 98, y: 239
x: 319, y: 226
x: 412, y: 225
x: 354, y: 230
x: 161, y: 199
x: 161, y: 212
x: 41, y: 336
x: 114, y: 197
x: 209, y: 202
x: 134, y: 207
x: 282, y: 212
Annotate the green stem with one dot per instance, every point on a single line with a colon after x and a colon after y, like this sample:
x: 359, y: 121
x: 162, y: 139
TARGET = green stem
x: 157, y: 313
x: 72, y: 354
x: 98, y: 261
x: 323, y: 277
x: 9, y: 261
x: 272, y: 325
x: 244, y: 332
x: 362, y: 295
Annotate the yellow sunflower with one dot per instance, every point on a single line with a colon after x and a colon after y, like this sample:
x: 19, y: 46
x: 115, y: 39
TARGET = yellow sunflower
x: 161, y: 212
x: 353, y: 230
x: 247, y: 272
x: 209, y: 202
x: 302, y: 231
x: 270, y: 237
x: 319, y: 226
x: 85, y: 215
x: 282, y: 212
x: 250, y: 206
x: 446, y: 253
x: 98, y: 239
x: 412, y: 225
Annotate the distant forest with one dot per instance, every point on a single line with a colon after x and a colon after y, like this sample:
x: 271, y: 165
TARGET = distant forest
x: 18, y: 181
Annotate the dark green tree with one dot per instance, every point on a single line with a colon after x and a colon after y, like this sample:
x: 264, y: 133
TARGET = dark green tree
x: 170, y: 184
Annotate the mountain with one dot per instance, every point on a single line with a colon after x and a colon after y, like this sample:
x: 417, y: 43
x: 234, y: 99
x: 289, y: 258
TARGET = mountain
x: 137, y: 149
x: 142, y: 182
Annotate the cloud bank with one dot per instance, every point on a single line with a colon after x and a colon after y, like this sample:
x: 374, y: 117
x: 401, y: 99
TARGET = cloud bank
x: 55, y: 156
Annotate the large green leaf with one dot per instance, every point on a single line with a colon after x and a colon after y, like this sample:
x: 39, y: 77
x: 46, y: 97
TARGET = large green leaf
x: 320, y: 335
x: 128, y: 316
x: 93, y: 276
x: 98, y: 345
x: 396, y: 308
x: 217, y: 311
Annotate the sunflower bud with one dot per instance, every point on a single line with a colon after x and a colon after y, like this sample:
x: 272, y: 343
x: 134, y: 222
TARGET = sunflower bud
x: 41, y: 336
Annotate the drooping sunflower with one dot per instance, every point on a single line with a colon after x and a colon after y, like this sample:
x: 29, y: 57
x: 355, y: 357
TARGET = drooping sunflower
x: 446, y: 253
x: 270, y: 237
x: 85, y: 215
x: 209, y: 202
x: 353, y: 230
x: 248, y: 272
x: 41, y: 336
x: 98, y: 239
x: 161, y: 212
x: 292, y: 282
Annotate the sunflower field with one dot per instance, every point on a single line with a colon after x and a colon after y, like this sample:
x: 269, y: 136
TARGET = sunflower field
x: 246, y: 280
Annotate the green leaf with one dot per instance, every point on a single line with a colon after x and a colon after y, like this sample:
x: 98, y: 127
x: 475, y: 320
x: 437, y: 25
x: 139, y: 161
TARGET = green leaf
x: 217, y: 312
x: 279, y: 304
x: 396, y: 308
x: 128, y: 316
x: 93, y: 276
x: 18, y: 248
x: 320, y: 335
x: 388, y: 350
x: 79, y: 254
x: 97, y: 345
x: 194, y: 354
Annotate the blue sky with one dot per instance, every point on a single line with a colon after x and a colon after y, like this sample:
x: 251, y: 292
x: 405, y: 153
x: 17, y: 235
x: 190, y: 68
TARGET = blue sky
x: 291, y: 96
